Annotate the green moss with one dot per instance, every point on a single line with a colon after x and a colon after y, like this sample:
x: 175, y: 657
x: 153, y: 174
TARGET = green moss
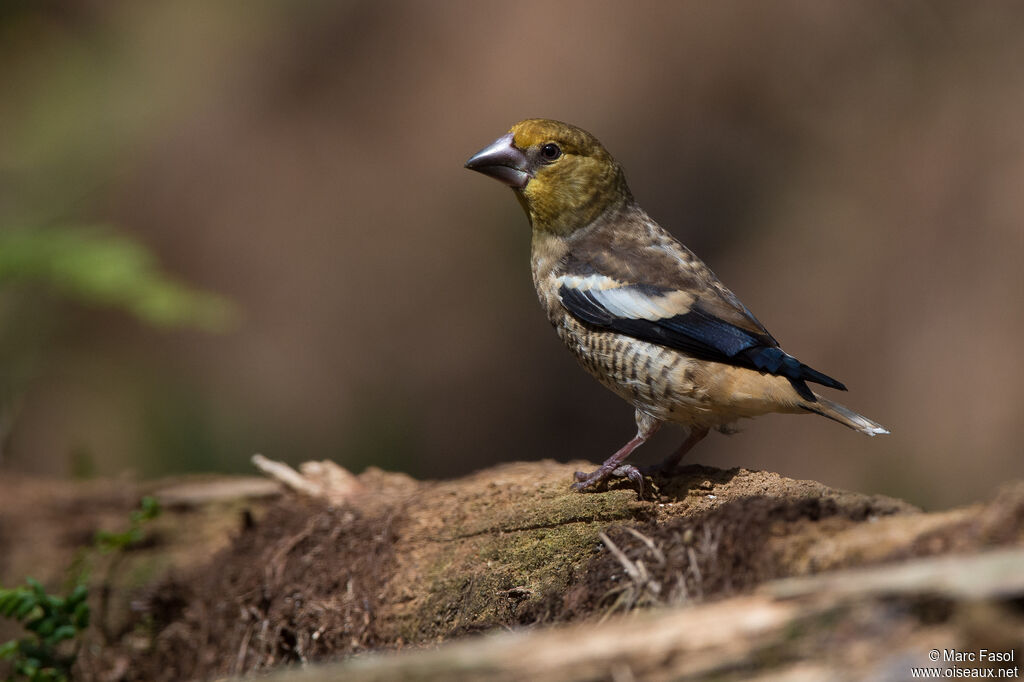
x: 520, y: 557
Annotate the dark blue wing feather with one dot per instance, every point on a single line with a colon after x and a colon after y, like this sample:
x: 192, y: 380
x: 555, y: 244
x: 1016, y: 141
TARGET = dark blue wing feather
x: 703, y: 335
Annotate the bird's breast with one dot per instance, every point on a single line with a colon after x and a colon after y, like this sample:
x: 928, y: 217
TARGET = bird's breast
x: 546, y: 253
x: 662, y: 382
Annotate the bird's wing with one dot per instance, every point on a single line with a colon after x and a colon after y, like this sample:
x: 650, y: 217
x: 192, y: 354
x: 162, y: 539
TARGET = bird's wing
x: 674, y: 300
x: 670, y: 317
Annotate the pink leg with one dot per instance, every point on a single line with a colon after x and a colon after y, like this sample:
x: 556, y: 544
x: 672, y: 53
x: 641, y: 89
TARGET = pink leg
x: 646, y: 426
x: 669, y: 463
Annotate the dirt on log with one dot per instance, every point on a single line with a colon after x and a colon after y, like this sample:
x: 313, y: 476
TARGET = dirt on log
x: 238, y: 576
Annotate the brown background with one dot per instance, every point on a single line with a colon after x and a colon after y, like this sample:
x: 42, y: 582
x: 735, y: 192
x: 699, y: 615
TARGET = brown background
x: 853, y: 171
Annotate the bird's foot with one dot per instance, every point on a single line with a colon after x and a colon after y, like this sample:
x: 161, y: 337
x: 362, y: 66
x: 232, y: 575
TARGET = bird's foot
x: 646, y: 425
x: 603, y: 473
x: 585, y: 480
x: 634, y: 475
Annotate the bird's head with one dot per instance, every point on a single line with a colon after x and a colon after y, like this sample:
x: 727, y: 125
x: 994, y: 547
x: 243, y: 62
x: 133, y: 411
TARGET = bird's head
x: 561, y: 174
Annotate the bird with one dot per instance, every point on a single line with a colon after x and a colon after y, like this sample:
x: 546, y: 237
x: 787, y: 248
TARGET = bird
x: 640, y: 311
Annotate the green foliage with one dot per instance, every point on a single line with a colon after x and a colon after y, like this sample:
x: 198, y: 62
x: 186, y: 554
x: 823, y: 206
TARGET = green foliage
x: 107, y: 541
x: 40, y: 268
x: 52, y: 623
x: 94, y: 265
x: 49, y: 621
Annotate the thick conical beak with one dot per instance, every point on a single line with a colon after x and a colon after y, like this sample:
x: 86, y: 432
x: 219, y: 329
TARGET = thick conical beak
x: 503, y: 161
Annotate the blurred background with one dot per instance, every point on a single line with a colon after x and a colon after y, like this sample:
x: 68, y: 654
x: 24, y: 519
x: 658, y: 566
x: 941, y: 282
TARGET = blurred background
x: 241, y: 227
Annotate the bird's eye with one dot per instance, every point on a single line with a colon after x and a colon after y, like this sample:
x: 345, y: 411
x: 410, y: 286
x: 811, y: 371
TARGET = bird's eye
x: 550, y: 151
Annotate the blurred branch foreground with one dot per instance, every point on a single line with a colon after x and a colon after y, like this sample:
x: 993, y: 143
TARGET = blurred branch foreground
x: 752, y: 574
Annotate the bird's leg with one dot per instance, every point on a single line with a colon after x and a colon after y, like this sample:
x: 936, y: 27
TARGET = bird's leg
x: 667, y: 465
x: 646, y: 426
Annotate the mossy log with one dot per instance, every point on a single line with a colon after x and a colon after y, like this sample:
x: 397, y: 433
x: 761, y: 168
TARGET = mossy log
x: 239, y: 575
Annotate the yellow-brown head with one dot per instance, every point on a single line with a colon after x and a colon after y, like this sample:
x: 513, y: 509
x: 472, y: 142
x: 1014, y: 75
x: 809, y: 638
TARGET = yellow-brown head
x: 562, y: 175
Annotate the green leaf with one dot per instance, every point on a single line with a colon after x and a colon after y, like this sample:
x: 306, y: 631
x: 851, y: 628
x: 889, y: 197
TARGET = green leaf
x: 107, y: 541
x: 9, y: 649
x: 8, y: 600
x: 94, y: 265
x: 43, y: 628
x: 149, y: 509
x: 78, y: 595
x: 80, y: 618
x: 62, y: 633
x: 29, y: 667
x: 25, y: 606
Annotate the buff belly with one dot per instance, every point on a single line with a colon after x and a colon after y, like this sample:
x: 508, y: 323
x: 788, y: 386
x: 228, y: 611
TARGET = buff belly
x: 671, y: 386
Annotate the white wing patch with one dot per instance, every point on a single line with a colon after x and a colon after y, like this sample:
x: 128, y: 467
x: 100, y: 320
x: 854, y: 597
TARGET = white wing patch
x: 627, y: 300
x: 589, y: 283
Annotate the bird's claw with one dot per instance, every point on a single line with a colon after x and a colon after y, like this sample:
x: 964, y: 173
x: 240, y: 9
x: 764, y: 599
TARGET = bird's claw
x: 585, y: 480
x: 633, y: 474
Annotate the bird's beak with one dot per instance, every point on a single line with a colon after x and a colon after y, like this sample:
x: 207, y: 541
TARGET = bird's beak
x: 503, y: 161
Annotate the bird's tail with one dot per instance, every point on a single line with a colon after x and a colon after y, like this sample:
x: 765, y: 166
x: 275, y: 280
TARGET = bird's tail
x: 844, y: 415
